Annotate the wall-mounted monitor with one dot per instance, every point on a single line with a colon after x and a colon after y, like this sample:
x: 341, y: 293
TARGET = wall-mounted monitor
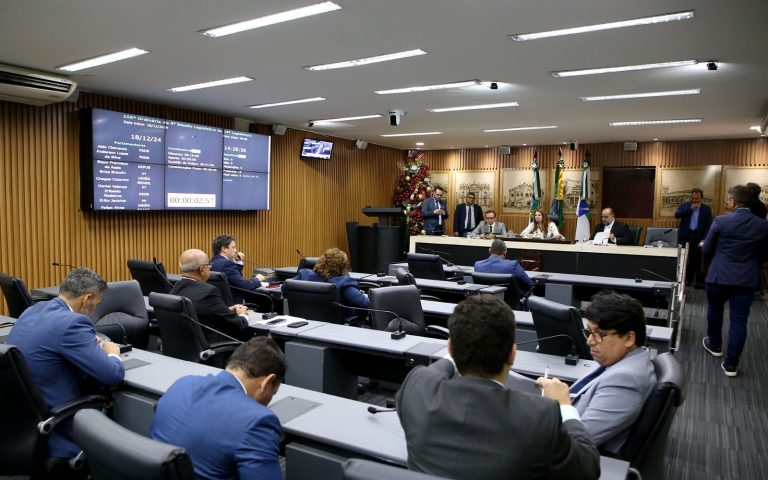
x: 312, y: 148
x: 131, y: 162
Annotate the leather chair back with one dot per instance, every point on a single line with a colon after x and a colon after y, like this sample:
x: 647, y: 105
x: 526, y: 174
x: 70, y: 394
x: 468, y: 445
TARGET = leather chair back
x: 22, y: 448
x: 358, y: 469
x: 181, y: 337
x: 404, y: 277
x: 552, y: 318
x: 219, y: 280
x: 647, y: 440
x: 513, y: 296
x: 116, y: 453
x: 122, y: 313
x: 425, y: 265
x: 405, y: 302
x: 308, y: 262
x: 313, y: 300
x: 16, y: 295
x: 635, y: 234
x: 151, y: 276
x: 667, y: 236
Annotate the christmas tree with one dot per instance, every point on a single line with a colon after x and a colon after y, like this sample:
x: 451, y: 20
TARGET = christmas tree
x: 413, y: 187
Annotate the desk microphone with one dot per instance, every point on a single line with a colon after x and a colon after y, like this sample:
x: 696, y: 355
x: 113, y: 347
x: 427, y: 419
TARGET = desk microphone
x: 570, y: 359
x: 58, y: 264
x: 657, y: 275
x: 268, y: 272
x: 125, y: 347
x: 398, y: 335
x: 162, y: 274
x: 300, y: 254
x: 476, y: 291
x: 375, y: 274
x: 266, y: 316
x: 374, y: 410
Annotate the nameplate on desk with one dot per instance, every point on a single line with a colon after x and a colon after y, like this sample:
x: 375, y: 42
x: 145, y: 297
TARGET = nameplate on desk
x: 130, y: 363
x: 425, y: 348
x: 291, y: 407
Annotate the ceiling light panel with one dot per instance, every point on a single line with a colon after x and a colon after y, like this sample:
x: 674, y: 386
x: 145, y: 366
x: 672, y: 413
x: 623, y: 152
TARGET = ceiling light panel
x: 627, y: 96
x: 288, y: 102
x: 367, y: 61
x: 474, y: 107
x: 654, y: 122
x: 346, y: 119
x: 271, y: 19
x: 215, y: 83
x: 519, y: 129
x: 624, y: 68
x: 102, y: 60
x: 426, y: 88
x: 411, y: 134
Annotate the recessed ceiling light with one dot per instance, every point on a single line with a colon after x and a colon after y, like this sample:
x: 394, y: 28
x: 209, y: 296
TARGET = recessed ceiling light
x: 346, y: 119
x: 669, y: 17
x: 654, y: 122
x: 517, y: 129
x: 655, y: 139
x: 525, y: 144
x: 289, y: 102
x: 473, y: 107
x: 367, y: 61
x: 411, y: 134
x: 755, y: 128
x: 425, y: 88
x: 215, y: 83
x: 624, y: 68
x: 271, y: 19
x: 670, y: 93
x: 419, y: 144
x: 103, y: 59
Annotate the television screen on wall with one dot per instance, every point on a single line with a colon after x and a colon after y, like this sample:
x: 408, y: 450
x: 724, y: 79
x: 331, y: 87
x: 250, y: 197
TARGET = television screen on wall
x: 312, y: 148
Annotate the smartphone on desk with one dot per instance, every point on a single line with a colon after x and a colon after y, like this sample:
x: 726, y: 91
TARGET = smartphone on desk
x: 297, y: 324
x: 276, y: 321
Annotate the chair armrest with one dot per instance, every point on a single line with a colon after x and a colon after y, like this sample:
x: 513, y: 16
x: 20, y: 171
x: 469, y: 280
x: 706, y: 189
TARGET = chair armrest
x: 365, y: 284
x: 437, y: 331
x: 66, y: 410
x: 218, y: 348
x: 430, y: 297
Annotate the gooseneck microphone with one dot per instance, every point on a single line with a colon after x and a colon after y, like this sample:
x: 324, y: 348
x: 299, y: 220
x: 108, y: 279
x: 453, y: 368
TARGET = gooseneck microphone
x: 570, y: 359
x: 373, y: 410
x: 375, y: 274
x: 300, y: 254
x: 398, y: 335
x: 125, y: 346
x: 59, y: 264
x: 266, y: 316
x: 160, y: 272
x: 658, y: 275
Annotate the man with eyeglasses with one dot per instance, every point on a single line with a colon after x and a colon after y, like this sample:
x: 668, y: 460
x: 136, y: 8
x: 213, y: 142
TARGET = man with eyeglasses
x: 490, y: 228
x: 610, y: 397
x: 466, y: 216
x: 207, y: 300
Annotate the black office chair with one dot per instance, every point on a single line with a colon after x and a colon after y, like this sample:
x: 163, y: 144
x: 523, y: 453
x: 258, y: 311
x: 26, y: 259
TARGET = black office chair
x: 405, y: 302
x: 406, y: 278
x: 647, y: 440
x: 358, y: 469
x: 182, y: 335
x: 514, y: 296
x: 122, y: 314
x: 219, y: 280
x: 635, y: 234
x: 26, y: 419
x: 313, y: 300
x: 308, y: 262
x: 116, y: 453
x: 151, y: 276
x: 429, y: 266
x: 552, y: 318
x: 16, y: 295
x: 667, y: 237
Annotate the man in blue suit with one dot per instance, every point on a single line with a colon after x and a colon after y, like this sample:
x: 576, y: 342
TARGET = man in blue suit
x: 467, y: 216
x: 434, y: 210
x: 738, y: 245
x: 60, y: 346
x: 227, y: 260
x: 497, y: 263
x: 223, y: 420
x: 695, y: 219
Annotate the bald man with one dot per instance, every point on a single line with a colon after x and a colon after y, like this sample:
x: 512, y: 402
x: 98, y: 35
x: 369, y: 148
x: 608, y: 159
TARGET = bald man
x: 618, y: 233
x: 207, y: 300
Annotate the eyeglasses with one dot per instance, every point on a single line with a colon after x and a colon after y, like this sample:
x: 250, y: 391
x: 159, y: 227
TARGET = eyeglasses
x: 209, y: 265
x: 596, y: 334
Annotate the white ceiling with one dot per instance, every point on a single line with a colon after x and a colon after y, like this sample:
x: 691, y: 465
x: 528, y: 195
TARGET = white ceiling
x: 464, y: 40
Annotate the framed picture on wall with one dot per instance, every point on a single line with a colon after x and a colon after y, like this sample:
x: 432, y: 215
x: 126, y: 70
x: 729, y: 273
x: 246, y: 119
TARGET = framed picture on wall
x: 572, y: 190
x: 517, y: 188
x: 441, y: 178
x: 676, y: 185
x: 482, y: 182
x: 741, y: 176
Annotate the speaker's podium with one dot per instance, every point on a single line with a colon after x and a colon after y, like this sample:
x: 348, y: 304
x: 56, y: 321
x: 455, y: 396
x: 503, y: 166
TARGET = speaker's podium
x: 373, y: 247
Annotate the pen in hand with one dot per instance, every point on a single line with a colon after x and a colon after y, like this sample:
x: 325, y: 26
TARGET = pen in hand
x: 546, y: 376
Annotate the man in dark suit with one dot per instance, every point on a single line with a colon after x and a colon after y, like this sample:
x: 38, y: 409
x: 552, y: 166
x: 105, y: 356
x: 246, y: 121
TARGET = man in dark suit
x: 468, y: 425
x: 434, y: 211
x: 227, y: 260
x: 60, y: 346
x: 738, y: 245
x: 618, y: 232
x: 695, y: 219
x: 467, y: 216
x: 207, y: 300
x: 222, y: 420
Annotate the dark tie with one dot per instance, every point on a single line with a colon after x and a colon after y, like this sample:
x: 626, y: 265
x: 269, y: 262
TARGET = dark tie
x: 580, y: 383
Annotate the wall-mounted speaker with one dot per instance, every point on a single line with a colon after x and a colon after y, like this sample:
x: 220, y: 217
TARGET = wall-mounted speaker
x: 630, y: 146
x: 361, y: 144
x: 505, y: 150
x: 278, y: 129
x: 573, y: 145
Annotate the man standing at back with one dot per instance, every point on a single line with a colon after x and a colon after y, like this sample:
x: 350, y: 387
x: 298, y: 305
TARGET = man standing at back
x: 223, y: 420
x: 60, y: 346
x: 467, y: 216
x: 227, y: 260
x: 434, y: 211
x: 695, y: 219
x: 497, y: 263
x: 466, y: 424
x: 738, y: 245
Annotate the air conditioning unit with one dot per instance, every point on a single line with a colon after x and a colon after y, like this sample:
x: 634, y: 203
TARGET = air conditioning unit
x: 33, y: 88
x: 630, y: 146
